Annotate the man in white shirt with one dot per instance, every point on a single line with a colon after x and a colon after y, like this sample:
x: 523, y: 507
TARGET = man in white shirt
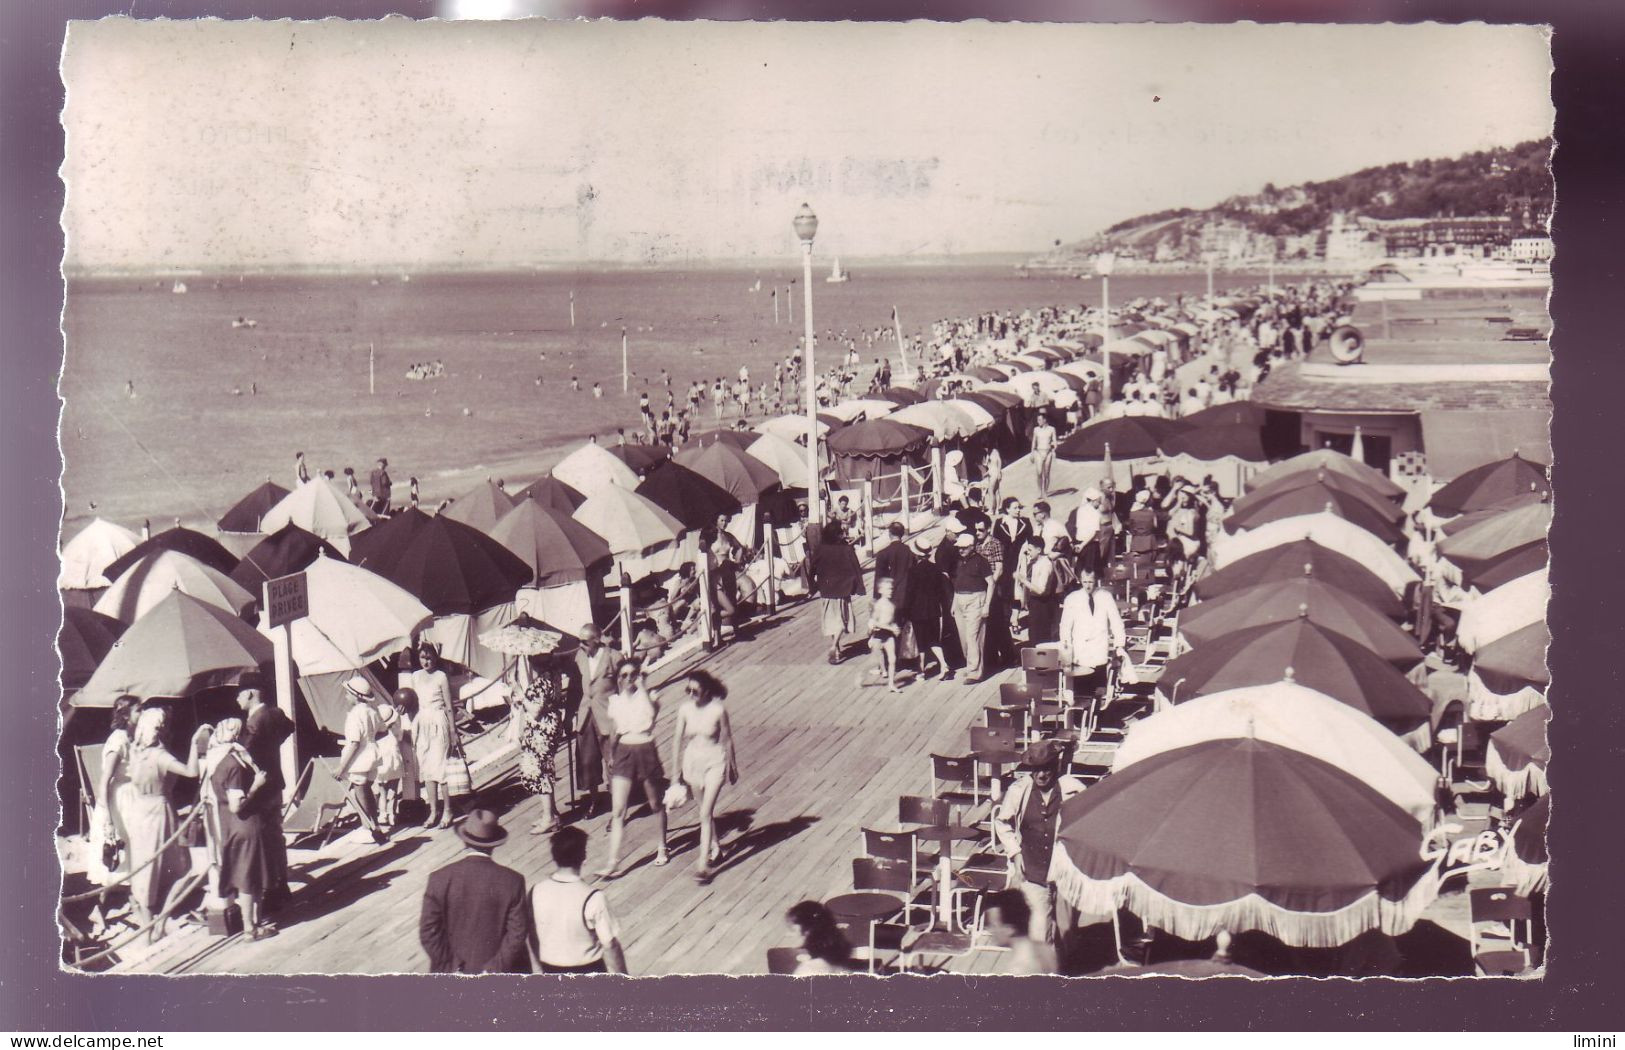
x: 1047, y: 528
x: 1091, y: 632
x: 1086, y: 523
x: 571, y: 929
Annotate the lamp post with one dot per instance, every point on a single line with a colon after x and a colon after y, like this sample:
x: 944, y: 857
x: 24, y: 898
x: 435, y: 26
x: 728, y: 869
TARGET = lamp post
x: 806, y: 226
x: 1104, y: 264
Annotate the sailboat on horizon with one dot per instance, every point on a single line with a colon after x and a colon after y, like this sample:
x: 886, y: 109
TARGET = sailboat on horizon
x: 836, y: 274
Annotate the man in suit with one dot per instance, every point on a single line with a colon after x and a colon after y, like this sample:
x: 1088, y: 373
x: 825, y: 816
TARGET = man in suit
x: 474, y: 918
x: 595, y: 677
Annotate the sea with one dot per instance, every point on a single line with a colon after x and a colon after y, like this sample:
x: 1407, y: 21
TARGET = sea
x: 174, y: 406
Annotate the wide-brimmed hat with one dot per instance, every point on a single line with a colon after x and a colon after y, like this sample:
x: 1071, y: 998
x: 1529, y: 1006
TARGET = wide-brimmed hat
x: 481, y: 828
x: 1041, y: 754
x: 358, y: 687
x: 929, y: 540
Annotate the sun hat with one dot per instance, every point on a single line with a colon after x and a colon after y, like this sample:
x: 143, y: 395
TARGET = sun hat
x: 359, y: 687
x: 1041, y: 754
x: 480, y: 828
x: 1092, y: 493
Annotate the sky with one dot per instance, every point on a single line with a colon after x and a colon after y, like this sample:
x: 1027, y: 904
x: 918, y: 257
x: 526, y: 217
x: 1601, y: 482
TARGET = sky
x: 417, y: 144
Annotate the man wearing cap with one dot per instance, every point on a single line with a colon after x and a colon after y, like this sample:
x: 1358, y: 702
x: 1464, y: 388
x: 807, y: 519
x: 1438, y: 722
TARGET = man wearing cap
x: 1091, y: 631
x: 359, y: 758
x: 474, y: 918
x: 595, y: 676
x: 973, y: 582
x: 381, y: 486
x: 1025, y: 824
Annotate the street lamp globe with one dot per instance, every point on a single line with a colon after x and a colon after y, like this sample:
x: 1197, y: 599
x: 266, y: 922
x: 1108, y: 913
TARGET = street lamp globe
x: 1105, y: 262
x: 806, y: 223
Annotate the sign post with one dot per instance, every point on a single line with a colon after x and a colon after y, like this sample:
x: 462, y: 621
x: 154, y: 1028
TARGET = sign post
x: 285, y: 599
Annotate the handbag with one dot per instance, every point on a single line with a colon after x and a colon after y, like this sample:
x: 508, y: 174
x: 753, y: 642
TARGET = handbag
x: 677, y: 795
x: 459, y: 781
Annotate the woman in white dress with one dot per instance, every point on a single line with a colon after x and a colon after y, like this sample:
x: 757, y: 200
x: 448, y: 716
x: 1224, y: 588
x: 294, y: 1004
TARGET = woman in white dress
x: 703, y: 753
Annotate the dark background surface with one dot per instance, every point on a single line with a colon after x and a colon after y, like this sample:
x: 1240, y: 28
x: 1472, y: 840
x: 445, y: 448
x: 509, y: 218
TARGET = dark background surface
x: 1581, y: 991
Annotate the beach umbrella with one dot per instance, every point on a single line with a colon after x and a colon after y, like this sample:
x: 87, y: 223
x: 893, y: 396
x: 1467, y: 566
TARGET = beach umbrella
x: 390, y: 533
x: 987, y: 374
x: 1331, y: 461
x: 740, y: 474
x: 1082, y: 369
x: 1282, y: 601
x: 525, y: 635
x: 1310, y: 499
x: 356, y: 616
x: 1506, y: 567
x: 940, y: 417
x: 179, y: 646
x: 1526, y: 863
x: 1302, y: 719
x: 868, y: 408
x: 551, y: 492
x: 481, y: 506
x: 877, y: 437
x: 245, y: 515
x: 1310, y: 655
x: 980, y: 416
x: 792, y: 427
x: 194, y: 544
x: 1125, y: 348
x: 1462, y: 522
x: 1242, y: 834
x: 451, y: 567
x: 287, y: 550
x: 150, y: 580
x: 691, y: 498
x: 1498, y: 535
x: 786, y: 458
x: 1229, y: 414
x: 84, y: 640
x: 631, y: 524
x: 641, y: 458
x: 1036, y: 361
x: 1378, y: 503
x: 321, y: 508
x: 1519, y: 754
x: 1515, y: 661
x: 1291, y: 560
x: 1210, y: 442
x: 1489, y: 617
x: 931, y: 387
x: 901, y: 395
x: 1326, y: 530
x: 590, y: 469
x: 86, y: 557
x: 737, y: 438
x: 997, y: 402
x: 557, y: 548
x: 1013, y: 368
x: 1130, y: 437
x: 1490, y: 484
x: 1047, y: 355
x: 1048, y: 383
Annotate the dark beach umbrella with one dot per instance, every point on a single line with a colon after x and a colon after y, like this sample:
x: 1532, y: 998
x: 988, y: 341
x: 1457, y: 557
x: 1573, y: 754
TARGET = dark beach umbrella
x: 1240, y: 834
x: 1078, y: 383
x: 1230, y: 414
x: 1314, y: 499
x: 451, y: 567
x: 183, y: 541
x: 1490, y: 484
x: 740, y: 474
x: 1129, y: 437
x: 641, y: 458
x: 986, y: 374
x: 1208, y: 443
x: 178, y: 647
x: 877, y: 437
x: 997, y: 402
x: 901, y: 395
x: 1506, y: 567
x: 1515, y: 661
x: 1308, y: 654
x: 1520, y: 752
x: 1018, y: 366
x: 481, y: 506
x: 1529, y: 841
x: 551, y: 492
x: 85, y: 640
x: 557, y: 548
x: 392, y: 533
x: 288, y: 550
x: 1332, y: 462
x: 1498, y: 534
x: 740, y: 439
x: 1463, y: 522
x: 1348, y: 486
x: 1287, y: 600
x: 1293, y: 560
x: 691, y: 498
x: 245, y: 514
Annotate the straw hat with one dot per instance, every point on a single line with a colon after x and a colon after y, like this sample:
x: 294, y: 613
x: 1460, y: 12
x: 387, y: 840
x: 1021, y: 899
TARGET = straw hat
x: 480, y: 828
x: 359, y: 687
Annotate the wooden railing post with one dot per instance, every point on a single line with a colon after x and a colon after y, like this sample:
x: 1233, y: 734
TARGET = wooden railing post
x: 708, y: 614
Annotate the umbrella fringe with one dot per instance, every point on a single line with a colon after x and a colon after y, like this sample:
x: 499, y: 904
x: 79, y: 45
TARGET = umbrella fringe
x: 1196, y: 922
x: 1525, y: 877
x: 1418, y: 739
x: 1484, y: 705
x: 1515, y: 783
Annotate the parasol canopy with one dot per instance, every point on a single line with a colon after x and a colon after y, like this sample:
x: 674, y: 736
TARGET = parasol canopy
x: 181, y: 645
x: 941, y: 418
x: 1302, y: 719
x: 792, y: 427
x: 1489, y: 617
x: 1331, y: 461
x: 1082, y: 369
x: 632, y: 525
x: 557, y: 548
x: 1291, y: 560
x: 1498, y: 535
x: 736, y: 438
x: 1129, y: 437
x: 551, y: 492
x: 735, y: 471
x: 525, y: 635
x: 205, y: 549
x: 1229, y: 414
x: 1326, y: 530
x: 1318, y: 497
x: 392, y: 532
x: 877, y: 437
x: 691, y: 498
x: 1240, y: 835
x: 1506, y: 567
x: 995, y: 401
x: 287, y: 550
x: 150, y: 580
x: 590, y: 469
x: 246, y: 514
x: 1516, y: 661
x: 868, y: 408
x: 321, y: 508
x: 1313, y: 657
x: 1529, y: 838
x: 987, y: 374
x: 356, y: 617
x: 980, y: 415
x: 451, y: 567
x: 901, y: 395
x: 481, y: 506
x: 86, y: 557
x: 1323, y: 478
x: 1208, y: 443
x: 1286, y: 600
x: 786, y: 458
x: 1490, y: 484
x: 641, y: 458
x: 1519, y: 754
x: 85, y: 639
x: 1477, y: 517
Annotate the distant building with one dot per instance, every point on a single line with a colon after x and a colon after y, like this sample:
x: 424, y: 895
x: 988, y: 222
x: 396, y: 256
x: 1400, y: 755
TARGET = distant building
x: 1531, y: 249
x: 1473, y: 235
x: 1346, y: 242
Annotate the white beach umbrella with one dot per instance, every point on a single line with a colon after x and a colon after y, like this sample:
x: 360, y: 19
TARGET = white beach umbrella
x: 591, y: 468
x: 1327, y: 530
x: 96, y: 546
x: 980, y: 417
x: 1085, y: 369
x: 791, y: 427
x: 321, y: 507
x: 632, y: 525
x: 940, y: 417
x: 784, y: 456
x: 1510, y: 607
x: 152, y: 579
x: 869, y: 408
x: 356, y: 616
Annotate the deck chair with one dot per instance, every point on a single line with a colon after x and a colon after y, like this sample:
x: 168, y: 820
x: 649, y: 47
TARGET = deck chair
x: 1495, y: 916
x: 318, y: 803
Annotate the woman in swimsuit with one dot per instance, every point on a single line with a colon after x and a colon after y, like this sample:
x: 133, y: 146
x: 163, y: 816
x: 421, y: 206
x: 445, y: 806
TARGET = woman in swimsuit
x: 703, y: 755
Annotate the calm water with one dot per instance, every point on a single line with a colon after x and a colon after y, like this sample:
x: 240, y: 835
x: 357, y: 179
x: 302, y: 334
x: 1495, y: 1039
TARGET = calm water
x: 188, y: 444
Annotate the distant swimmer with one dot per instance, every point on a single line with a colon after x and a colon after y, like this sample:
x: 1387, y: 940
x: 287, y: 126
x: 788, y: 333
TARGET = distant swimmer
x: 575, y: 384
x: 597, y: 390
x: 129, y: 389
x: 301, y: 472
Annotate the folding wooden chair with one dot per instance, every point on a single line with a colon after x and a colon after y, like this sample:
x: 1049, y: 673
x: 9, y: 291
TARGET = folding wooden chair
x: 318, y: 802
x: 1495, y: 914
